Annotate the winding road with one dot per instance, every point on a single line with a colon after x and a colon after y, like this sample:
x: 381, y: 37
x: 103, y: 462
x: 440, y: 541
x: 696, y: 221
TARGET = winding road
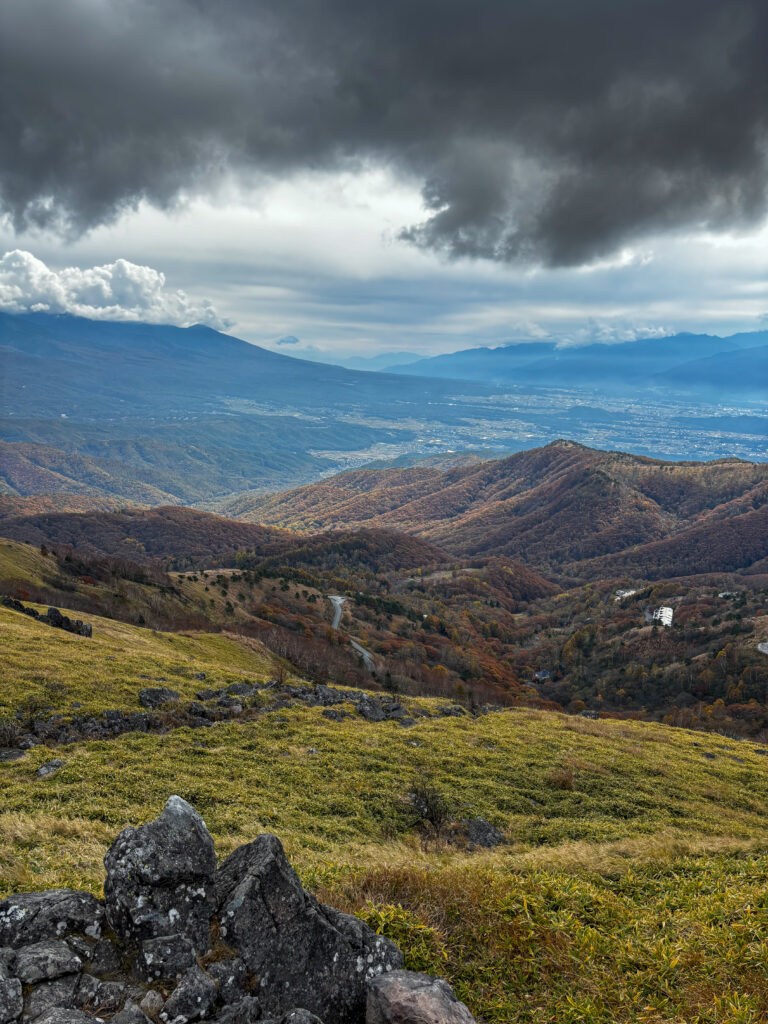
x: 338, y: 608
x: 337, y: 603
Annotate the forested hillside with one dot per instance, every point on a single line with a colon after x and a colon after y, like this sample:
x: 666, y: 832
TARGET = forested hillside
x: 565, y: 509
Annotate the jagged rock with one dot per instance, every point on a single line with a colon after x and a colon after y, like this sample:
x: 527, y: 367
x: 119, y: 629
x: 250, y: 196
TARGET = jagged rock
x: 192, y: 998
x: 31, y: 917
x: 230, y: 976
x: 43, y: 961
x: 245, y: 1011
x: 168, y: 956
x: 152, y: 1003
x: 303, y: 953
x: 49, y: 768
x: 156, y: 696
x: 480, y: 832
x: 62, y: 1015
x: 160, y: 878
x: 11, y: 999
x: 131, y: 1014
x: 49, y: 995
x: 404, y: 997
x: 99, y: 996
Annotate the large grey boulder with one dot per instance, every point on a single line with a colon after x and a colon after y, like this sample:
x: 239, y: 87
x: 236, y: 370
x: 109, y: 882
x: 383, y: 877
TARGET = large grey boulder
x: 33, y: 916
x: 304, y: 954
x: 404, y: 997
x: 43, y: 961
x: 160, y: 878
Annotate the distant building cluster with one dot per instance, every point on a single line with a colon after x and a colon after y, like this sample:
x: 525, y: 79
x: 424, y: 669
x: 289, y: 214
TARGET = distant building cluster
x: 621, y: 594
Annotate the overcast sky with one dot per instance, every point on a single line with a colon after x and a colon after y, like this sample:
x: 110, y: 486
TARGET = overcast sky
x: 412, y: 175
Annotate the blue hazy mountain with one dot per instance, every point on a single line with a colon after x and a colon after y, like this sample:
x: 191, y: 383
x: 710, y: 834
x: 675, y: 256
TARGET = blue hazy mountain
x: 161, y: 414
x: 650, y: 362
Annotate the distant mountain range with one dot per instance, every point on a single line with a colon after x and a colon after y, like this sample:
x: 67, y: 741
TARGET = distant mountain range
x: 151, y: 414
x: 685, y: 362
x: 566, y: 510
x: 159, y: 414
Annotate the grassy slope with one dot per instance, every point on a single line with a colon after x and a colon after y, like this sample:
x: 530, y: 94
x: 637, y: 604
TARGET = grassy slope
x: 45, y: 667
x: 638, y: 894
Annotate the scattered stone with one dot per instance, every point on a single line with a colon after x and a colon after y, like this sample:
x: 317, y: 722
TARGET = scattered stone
x: 152, y: 1003
x: 300, y: 1017
x: 241, y: 690
x: 404, y: 997
x: 31, y: 917
x: 11, y: 754
x: 480, y: 832
x: 192, y: 998
x: 43, y: 961
x: 49, y: 768
x: 160, y: 878
x: 708, y: 755
x: 152, y: 697
x: 303, y: 953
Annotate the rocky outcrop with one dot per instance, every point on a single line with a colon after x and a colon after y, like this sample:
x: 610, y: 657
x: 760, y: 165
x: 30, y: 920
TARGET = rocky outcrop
x: 52, y: 617
x: 186, y: 943
x: 228, y: 704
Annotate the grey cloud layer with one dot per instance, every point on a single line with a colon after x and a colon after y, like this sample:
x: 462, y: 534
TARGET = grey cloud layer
x: 549, y: 131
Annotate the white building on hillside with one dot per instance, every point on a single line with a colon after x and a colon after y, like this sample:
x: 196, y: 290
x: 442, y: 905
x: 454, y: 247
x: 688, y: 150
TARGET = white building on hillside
x: 663, y: 615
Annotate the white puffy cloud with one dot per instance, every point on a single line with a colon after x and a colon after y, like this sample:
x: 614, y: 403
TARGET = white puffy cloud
x: 114, y: 291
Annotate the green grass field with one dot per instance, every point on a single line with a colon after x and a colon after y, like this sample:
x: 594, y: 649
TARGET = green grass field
x: 634, y: 886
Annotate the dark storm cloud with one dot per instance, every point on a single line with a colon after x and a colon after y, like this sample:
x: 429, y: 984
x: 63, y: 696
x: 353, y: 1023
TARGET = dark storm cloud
x: 546, y: 131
